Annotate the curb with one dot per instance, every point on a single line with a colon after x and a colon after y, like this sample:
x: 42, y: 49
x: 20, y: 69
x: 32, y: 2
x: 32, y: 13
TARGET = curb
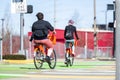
x: 17, y: 61
x: 107, y: 59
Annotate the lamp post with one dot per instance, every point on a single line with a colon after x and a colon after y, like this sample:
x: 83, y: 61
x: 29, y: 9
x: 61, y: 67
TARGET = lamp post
x: 2, y: 26
x: 117, y: 43
x: 1, y: 36
x: 1, y: 48
x: 106, y: 19
x: 54, y: 13
x: 95, y: 32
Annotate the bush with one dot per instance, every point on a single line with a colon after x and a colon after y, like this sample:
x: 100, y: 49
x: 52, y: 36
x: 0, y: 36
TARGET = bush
x: 14, y: 57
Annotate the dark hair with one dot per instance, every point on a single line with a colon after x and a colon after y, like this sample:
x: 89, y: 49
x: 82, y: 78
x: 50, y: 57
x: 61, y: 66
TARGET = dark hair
x: 71, y: 21
x: 40, y: 15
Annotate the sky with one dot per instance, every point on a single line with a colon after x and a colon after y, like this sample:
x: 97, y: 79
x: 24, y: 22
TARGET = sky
x: 81, y: 11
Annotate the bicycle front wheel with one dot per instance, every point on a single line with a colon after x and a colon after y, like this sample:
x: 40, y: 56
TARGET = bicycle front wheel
x: 37, y: 61
x: 52, y: 60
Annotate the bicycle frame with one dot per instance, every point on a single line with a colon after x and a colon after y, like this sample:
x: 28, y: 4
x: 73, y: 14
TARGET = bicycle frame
x: 41, y: 48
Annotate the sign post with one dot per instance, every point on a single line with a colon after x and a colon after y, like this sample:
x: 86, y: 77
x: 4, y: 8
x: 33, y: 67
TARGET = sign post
x: 20, y: 6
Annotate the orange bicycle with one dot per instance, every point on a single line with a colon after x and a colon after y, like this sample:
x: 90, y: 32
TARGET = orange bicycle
x: 68, y: 55
x: 41, y: 53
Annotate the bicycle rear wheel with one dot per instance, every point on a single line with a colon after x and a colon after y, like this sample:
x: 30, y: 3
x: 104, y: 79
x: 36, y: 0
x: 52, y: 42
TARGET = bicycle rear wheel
x: 71, y: 60
x: 37, y: 60
x: 67, y: 60
x: 53, y: 61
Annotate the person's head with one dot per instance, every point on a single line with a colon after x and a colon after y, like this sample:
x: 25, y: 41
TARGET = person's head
x: 40, y: 16
x: 70, y: 22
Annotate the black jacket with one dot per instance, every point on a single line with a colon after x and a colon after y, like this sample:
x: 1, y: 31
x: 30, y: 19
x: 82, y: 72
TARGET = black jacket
x: 73, y: 31
x: 41, y: 27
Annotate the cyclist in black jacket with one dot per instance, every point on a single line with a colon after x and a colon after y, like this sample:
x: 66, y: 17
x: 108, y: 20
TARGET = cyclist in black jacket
x: 40, y: 30
x: 71, y: 29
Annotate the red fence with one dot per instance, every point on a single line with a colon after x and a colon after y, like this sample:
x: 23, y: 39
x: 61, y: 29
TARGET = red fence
x: 104, y: 40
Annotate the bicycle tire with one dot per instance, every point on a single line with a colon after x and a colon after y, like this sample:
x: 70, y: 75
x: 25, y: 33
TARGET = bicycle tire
x: 67, y: 59
x: 37, y: 62
x: 71, y: 60
x: 53, y: 60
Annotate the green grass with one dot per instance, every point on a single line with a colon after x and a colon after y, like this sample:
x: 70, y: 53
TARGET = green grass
x: 22, y: 68
x: 3, y: 77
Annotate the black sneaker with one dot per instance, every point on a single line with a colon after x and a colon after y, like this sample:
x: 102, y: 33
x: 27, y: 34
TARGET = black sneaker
x: 48, y: 59
x: 66, y: 61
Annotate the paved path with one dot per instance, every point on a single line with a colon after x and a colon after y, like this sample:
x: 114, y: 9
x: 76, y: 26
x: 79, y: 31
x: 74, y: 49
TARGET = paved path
x: 100, y: 72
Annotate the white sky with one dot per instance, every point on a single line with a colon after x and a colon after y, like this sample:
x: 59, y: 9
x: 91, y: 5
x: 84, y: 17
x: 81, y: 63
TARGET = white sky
x: 79, y: 10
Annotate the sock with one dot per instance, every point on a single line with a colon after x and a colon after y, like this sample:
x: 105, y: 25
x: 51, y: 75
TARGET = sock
x: 50, y: 50
x: 73, y: 50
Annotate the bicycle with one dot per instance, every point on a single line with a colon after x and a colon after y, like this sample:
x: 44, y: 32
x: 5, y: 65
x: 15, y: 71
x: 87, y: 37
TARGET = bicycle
x: 68, y: 55
x: 40, y: 56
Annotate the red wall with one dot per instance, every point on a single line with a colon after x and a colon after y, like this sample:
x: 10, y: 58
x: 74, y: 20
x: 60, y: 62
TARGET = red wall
x: 104, y: 39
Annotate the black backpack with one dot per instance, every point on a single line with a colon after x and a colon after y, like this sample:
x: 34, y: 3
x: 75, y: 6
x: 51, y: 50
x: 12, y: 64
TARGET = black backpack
x: 68, y: 34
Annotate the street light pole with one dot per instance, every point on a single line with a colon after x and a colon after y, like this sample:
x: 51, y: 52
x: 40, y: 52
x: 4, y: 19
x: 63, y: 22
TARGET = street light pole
x: 1, y: 37
x: 106, y: 19
x: 95, y: 32
x: 117, y: 43
x: 54, y: 13
x: 2, y: 26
